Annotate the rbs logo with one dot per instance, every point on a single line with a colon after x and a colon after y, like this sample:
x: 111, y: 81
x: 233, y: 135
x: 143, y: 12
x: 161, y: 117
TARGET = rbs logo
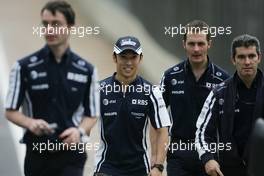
x: 139, y: 102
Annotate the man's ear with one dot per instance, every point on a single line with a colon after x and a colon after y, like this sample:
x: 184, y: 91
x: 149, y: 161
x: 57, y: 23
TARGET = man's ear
x: 183, y: 44
x: 260, y: 57
x: 141, y: 57
x: 114, y: 58
x: 209, y: 44
x: 233, y: 61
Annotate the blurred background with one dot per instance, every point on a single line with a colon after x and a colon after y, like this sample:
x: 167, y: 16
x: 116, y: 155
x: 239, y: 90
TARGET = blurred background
x: 144, y: 19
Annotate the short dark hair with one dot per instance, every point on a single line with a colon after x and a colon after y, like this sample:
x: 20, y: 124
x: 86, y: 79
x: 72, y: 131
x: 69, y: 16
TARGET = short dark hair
x: 192, y: 26
x: 246, y: 41
x: 62, y: 7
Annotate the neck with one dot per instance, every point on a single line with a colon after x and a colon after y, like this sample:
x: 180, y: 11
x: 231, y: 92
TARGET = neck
x: 198, y: 69
x: 248, y: 80
x: 123, y: 80
x: 58, y: 51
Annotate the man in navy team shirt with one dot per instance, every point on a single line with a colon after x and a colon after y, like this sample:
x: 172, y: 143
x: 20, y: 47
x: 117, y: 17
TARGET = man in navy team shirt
x: 127, y: 101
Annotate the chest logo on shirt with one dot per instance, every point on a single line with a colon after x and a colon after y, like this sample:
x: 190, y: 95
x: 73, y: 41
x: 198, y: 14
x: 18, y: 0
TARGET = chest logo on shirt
x: 107, y: 102
x: 139, y: 102
x: 77, y: 77
x: 174, y: 82
x: 218, y: 74
x: 221, y: 101
x: 81, y: 63
x: 110, y: 114
x: 40, y: 87
x: 33, y: 59
x: 175, y: 68
x: 210, y: 85
x: 138, y: 115
x: 35, y: 75
x: 178, y: 92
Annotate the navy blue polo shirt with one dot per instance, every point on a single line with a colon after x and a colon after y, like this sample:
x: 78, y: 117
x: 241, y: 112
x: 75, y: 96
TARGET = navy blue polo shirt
x: 123, y: 122
x: 185, y: 96
x: 61, y: 93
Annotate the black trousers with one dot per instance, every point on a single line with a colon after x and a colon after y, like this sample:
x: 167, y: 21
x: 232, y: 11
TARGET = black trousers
x: 239, y: 170
x: 184, y: 163
x: 63, y: 163
x: 103, y: 174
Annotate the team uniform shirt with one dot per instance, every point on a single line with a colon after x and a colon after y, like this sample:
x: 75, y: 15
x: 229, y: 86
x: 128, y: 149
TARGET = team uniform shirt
x: 227, y: 118
x: 184, y: 96
x: 61, y: 93
x: 123, y: 122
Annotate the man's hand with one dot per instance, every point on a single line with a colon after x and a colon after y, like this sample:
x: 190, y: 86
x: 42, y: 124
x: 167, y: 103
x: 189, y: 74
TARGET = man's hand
x: 212, y: 168
x: 155, y: 172
x: 39, y: 127
x: 70, y: 135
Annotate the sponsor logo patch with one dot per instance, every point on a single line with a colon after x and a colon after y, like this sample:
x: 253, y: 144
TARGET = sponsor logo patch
x: 77, y: 77
x: 139, y: 102
x: 40, y: 87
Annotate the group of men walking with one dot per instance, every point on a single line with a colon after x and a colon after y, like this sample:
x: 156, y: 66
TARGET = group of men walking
x: 197, y: 105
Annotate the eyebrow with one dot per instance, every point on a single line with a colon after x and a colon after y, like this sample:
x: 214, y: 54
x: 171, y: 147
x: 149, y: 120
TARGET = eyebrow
x: 53, y: 21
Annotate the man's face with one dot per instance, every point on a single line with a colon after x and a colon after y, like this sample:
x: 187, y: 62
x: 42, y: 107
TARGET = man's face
x: 55, y: 22
x: 246, y: 61
x: 127, y: 64
x: 196, y: 47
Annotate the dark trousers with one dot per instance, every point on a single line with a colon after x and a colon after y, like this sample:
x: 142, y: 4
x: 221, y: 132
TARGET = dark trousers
x: 103, y: 174
x: 239, y: 170
x: 63, y: 163
x: 184, y: 163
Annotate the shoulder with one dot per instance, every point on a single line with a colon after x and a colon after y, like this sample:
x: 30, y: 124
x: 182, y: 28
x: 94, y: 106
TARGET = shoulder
x: 32, y: 59
x: 222, y: 87
x: 106, y: 81
x: 152, y: 90
x: 81, y: 63
x: 143, y: 81
x: 175, y: 70
x: 219, y: 73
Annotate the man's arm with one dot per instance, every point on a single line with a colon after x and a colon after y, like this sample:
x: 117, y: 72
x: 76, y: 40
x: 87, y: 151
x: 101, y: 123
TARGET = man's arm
x: 15, y: 97
x: 153, y: 135
x: 160, y: 120
x: 153, y: 142
x: 36, y: 126
x: 206, y: 134
x: 160, y: 143
x: 73, y: 134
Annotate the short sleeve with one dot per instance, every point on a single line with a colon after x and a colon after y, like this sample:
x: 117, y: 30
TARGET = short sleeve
x: 158, y: 113
x: 16, y: 88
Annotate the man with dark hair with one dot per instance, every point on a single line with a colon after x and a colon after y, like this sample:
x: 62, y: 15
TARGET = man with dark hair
x: 57, y: 91
x: 63, y: 7
x: 128, y: 102
x: 196, y: 27
x: 186, y: 86
x: 230, y: 111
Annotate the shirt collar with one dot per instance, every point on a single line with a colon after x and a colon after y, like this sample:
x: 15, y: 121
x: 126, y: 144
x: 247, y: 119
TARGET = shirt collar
x: 255, y: 82
x: 50, y: 56
x: 134, y: 82
x: 189, y: 68
x: 209, y: 69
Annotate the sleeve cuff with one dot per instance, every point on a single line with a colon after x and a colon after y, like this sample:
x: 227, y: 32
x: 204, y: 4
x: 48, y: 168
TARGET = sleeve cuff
x: 206, y: 157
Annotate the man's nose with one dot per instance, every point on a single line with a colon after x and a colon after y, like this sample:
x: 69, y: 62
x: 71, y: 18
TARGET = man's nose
x: 129, y: 61
x: 195, y: 47
x: 247, y: 60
